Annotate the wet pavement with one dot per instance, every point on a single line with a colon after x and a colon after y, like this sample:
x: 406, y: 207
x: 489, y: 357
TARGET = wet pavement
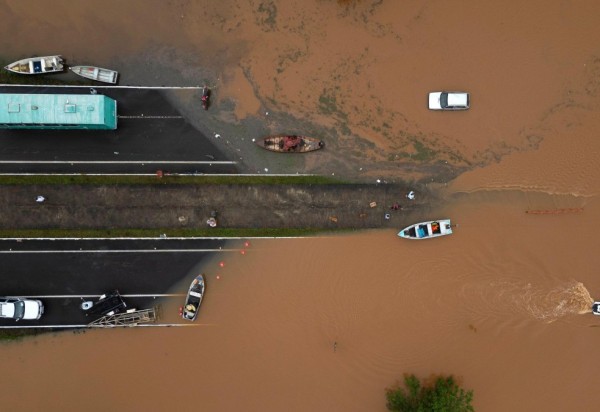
x: 151, y: 135
x: 63, y: 273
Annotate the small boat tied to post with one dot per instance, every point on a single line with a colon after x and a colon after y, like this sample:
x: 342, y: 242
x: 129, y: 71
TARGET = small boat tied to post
x: 96, y: 73
x: 37, y: 65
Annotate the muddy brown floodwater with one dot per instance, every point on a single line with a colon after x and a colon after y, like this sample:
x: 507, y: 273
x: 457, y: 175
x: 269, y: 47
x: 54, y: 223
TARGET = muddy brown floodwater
x: 504, y: 304
x: 326, y: 324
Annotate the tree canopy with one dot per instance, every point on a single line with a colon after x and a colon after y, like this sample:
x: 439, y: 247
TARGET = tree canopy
x: 442, y: 395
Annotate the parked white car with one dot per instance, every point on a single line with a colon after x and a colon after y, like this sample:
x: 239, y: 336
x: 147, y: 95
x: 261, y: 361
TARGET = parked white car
x: 21, y: 308
x: 448, y: 101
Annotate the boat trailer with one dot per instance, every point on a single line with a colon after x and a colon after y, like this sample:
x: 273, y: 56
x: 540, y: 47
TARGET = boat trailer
x: 132, y: 317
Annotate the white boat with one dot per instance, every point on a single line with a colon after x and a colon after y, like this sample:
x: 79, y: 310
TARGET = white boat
x: 193, y: 299
x: 596, y: 308
x: 426, y: 230
x: 96, y: 73
x: 37, y: 65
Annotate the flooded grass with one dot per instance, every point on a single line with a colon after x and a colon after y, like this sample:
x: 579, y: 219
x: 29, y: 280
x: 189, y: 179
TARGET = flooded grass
x: 11, y: 335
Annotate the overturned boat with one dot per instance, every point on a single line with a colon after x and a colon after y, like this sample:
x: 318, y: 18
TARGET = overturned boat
x: 426, y: 230
x: 193, y: 299
x: 37, y: 65
x: 290, y: 144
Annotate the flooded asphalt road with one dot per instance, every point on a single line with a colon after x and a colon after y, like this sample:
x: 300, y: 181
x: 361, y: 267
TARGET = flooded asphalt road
x: 63, y: 273
x: 151, y: 135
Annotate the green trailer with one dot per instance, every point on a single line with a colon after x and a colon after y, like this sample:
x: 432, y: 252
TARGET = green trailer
x: 57, y: 111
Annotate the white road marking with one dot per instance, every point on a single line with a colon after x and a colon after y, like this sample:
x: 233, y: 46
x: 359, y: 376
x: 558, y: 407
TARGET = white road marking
x: 137, y: 162
x: 150, y: 117
x: 145, y: 325
x: 105, y: 174
x: 106, y: 87
x: 123, y: 251
x: 154, y: 238
x: 19, y: 239
x: 154, y: 174
x: 139, y: 295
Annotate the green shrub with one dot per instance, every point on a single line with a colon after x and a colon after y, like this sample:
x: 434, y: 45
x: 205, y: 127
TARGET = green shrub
x: 442, y: 395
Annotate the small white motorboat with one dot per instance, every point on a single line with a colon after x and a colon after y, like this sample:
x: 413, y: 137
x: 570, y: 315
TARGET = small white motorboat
x: 37, y: 65
x: 96, y: 73
x: 193, y: 299
x: 596, y: 308
x: 427, y: 230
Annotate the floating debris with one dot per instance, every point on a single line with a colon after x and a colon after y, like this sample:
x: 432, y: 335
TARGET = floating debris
x: 555, y: 211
